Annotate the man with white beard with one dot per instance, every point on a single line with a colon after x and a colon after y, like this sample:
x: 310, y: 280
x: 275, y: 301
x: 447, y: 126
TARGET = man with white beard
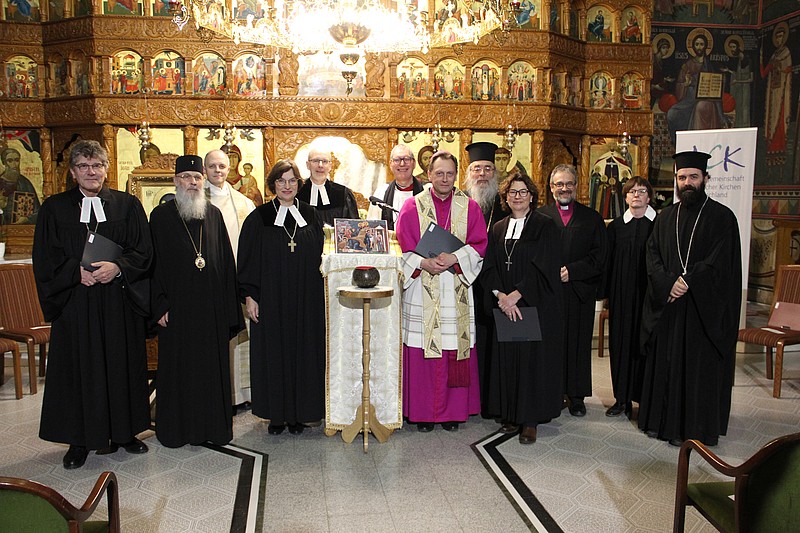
x: 234, y: 207
x: 195, y: 297
x: 481, y: 186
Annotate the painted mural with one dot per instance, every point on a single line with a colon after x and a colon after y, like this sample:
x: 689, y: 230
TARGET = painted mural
x: 23, y: 10
x: 249, y: 75
x: 209, y: 74
x: 412, y: 78
x: 127, y: 73
x: 20, y: 176
x: 485, y: 81
x: 22, y: 77
x: 448, y: 81
x: 169, y: 73
x: 521, y: 81
x: 599, y: 28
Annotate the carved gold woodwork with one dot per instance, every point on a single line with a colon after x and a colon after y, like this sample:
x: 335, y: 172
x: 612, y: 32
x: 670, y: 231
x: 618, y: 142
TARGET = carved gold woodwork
x: 373, y: 142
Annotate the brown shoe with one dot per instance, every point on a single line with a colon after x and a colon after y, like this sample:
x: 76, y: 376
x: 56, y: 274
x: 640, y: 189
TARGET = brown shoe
x: 528, y: 435
x: 509, y: 427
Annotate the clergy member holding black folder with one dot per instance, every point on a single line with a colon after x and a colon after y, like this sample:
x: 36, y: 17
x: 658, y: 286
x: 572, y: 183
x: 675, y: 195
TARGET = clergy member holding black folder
x: 96, y: 396
x: 521, y: 280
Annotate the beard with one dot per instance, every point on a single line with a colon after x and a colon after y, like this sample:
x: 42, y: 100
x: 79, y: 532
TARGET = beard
x: 191, y: 204
x: 483, y: 194
x: 691, y: 195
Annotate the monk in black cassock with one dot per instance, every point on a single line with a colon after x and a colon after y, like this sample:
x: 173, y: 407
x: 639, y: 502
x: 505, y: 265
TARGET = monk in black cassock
x: 626, y: 283
x: 280, y: 250
x: 331, y: 200
x: 195, y: 299
x: 522, y: 269
x: 583, y: 251
x: 690, y: 321
x: 481, y: 185
x: 96, y: 396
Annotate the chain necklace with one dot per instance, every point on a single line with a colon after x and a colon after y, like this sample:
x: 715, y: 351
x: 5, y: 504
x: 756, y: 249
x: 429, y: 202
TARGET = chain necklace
x: 489, y: 224
x: 685, y: 264
x: 291, y: 244
x: 505, y: 242
x: 199, y: 262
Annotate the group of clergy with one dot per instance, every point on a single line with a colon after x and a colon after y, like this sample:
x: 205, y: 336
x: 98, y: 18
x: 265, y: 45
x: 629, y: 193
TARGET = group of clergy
x: 105, y: 277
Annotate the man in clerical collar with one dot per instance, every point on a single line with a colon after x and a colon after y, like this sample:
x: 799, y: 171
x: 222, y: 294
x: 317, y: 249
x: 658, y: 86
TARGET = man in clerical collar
x: 234, y: 207
x: 690, y: 319
x: 397, y: 191
x: 96, y: 396
x: 481, y: 182
x: 331, y: 200
x: 583, y: 250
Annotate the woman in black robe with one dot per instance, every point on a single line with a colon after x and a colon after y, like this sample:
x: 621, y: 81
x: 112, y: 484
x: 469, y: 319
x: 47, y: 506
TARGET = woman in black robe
x: 522, y: 269
x: 280, y: 249
x: 626, y: 285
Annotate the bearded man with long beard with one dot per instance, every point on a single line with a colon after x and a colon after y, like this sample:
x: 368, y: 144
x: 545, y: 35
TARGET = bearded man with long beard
x: 195, y: 300
x: 690, y: 319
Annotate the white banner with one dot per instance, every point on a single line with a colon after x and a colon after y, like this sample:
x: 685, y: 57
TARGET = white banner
x: 731, y: 171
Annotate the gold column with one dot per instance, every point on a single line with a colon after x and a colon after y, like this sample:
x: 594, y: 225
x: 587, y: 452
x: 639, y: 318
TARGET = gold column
x: 466, y: 138
x: 48, y: 187
x: 110, y: 144
x: 189, y: 140
x: 538, y: 173
x: 269, y: 152
x: 644, y: 156
x: 544, y: 15
x: 391, y: 142
x: 583, y: 169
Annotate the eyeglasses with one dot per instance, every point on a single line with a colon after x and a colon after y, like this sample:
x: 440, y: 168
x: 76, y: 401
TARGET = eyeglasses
x: 83, y: 167
x: 562, y: 185
x: 191, y: 177
x: 282, y: 182
x: 320, y: 161
x: 522, y: 193
x: 405, y: 160
x: 478, y: 169
x: 441, y: 174
x: 638, y: 192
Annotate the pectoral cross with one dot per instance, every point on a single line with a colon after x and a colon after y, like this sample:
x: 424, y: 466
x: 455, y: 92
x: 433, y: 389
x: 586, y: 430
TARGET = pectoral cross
x: 508, y: 265
x: 291, y: 244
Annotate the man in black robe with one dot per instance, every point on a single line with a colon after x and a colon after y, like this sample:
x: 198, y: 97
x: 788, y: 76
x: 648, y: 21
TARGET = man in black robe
x: 583, y: 250
x: 690, y: 320
x: 96, y: 396
x: 331, y: 200
x: 401, y: 188
x: 482, y: 186
x: 195, y: 299
x: 626, y: 283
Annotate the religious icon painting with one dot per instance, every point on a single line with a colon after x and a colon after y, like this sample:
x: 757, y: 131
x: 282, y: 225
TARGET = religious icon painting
x: 160, y: 8
x: 575, y: 89
x: 80, y: 70
x: 122, y: 7
x: 355, y: 236
x: 632, y: 86
x: 22, y: 11
x: 22, y: 77
x: 209, y: 74
x: 169, y: 73
x: 560, y: 87
x: 528, y: 16
x: 521, y: 81
x: 21, y: 177
x: 127, y: 74
x: 249, y: 75
x: 631, y: 32
x: 246, y: 8
x: 611, y: 167
x: 412, y: 79
x: 599, y: 29
x: 60, y: 72
x: 82, y: 8
x: 485, y: 81
x: 448, y: 81
x: 601, y: 86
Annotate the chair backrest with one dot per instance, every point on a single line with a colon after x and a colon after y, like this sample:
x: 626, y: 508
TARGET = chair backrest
x: 773, y: 489
x: 26, y: 506
x: 787, y: 284
x: 19, y: 302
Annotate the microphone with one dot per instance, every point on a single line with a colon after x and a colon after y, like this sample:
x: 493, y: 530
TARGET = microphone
x: 374, y: 200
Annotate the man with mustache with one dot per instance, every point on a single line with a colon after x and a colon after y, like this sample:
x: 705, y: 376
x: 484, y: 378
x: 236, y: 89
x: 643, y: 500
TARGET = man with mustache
x: 583, y: 250
x: 690, y: 319
x: 195, y: 300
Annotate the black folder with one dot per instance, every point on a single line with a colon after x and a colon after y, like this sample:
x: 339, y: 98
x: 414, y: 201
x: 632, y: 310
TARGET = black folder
x: 98, y: 248
x: 523, y: 330
x: 436, y: 240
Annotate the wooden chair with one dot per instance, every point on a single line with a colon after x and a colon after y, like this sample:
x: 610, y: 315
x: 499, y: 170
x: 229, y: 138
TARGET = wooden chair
x: 787, y: 289
x: 601, y: 331
x: 765, y: 489
x: 29, y: 506
x: 21, y: 316
x: 7, y: 345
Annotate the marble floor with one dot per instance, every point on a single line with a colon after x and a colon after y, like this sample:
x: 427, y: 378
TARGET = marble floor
x: 591, y: 474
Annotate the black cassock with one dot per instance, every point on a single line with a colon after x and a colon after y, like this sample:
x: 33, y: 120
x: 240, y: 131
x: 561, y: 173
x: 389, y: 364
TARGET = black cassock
x: 287, y: 345
x: 193, y: 381
x: 343, y: 202
x: 97, y: 367
x: 583, y: 251
x: 526, y: 385
x: 626, y: 284
x: 690, y: 344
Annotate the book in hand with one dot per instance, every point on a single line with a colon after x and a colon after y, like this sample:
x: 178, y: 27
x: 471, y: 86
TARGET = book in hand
x: 436, y: 240
x: 98, y: 248
x: 524, y: 330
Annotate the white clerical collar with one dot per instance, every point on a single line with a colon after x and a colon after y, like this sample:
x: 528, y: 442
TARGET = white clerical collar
x: 89, y: 204
x: 318, y: 193
x: 515, y: 227
x: 217, y: 191
x: 280, y: 218
x: 650, y: 213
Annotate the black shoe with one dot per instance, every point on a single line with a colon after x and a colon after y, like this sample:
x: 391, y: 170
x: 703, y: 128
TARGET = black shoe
x: 616, y: 409
x: 296, y: 429
x: 75, y: 457
x: 528, y: 435
x: 135, y: 446
x: 676, y: 442
x: 450, y: 426
x: 425, y: 427
x: 275, y: 429
x: 577, y: 407
x: 108, y: 450
x: 509, y: 427
x: 652, y: 434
